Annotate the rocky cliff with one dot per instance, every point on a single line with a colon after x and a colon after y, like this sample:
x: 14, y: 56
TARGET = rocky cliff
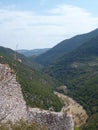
x: 13, y: 107
x: 12, y: 104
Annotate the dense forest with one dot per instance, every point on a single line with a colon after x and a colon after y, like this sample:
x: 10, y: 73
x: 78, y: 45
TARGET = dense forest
x: 64, y: 47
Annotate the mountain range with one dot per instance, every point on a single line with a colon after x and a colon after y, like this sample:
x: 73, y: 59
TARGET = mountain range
x: 34, y: 52
x: 64, y: 47
x: 73, y: 63
x: 78, y: 70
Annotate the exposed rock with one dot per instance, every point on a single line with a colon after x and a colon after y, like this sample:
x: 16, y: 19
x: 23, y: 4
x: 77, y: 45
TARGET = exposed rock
x: 72, y: 107
x: 53, y: 120
x: 62, y: 88
x: 12, y: 104
x: 13, y: 107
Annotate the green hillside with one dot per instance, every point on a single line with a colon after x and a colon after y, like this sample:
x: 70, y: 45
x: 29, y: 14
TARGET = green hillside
x: 64, y: 47
x: 79, y: 71
x: 81, y: 59
x: 37, y: 87
x: 92, y: 123
x: 9, y: 56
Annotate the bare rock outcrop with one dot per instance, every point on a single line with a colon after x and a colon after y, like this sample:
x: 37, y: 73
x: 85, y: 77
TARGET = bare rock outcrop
x: 53, y: 120
x: 12, y: 104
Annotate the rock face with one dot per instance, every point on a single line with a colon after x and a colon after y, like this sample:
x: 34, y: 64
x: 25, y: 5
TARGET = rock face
x: 13, y: 107
x: 53, y: 120
x: 12, y: 104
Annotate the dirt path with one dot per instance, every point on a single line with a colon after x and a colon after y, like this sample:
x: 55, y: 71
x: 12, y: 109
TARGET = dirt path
x: 72, y: 107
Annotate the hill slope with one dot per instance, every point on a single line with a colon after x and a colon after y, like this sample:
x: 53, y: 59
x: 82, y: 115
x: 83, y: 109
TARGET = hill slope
x: 79, y: 71
x: 37, y: 87
x: 64, y: 47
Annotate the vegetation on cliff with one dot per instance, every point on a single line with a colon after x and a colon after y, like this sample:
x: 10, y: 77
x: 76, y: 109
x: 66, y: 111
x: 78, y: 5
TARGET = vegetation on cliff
x: 37, y: 87
x: 22, y: 125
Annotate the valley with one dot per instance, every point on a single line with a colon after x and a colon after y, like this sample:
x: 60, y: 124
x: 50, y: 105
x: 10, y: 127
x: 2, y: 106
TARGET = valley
x: 28, y: 84
x: 78, y: 69
x: 13, y: 107
x: 34, y: 52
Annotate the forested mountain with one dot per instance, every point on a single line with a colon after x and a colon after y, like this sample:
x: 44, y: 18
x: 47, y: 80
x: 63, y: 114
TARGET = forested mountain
x: 84, y: 56
x: 37, y: 87
x: 34, y: 52
x: 79, y: 71
x: 64, y: 47
x: 73, y: 62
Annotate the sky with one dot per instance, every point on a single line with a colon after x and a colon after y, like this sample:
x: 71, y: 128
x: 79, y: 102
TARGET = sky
x: 31, y: 24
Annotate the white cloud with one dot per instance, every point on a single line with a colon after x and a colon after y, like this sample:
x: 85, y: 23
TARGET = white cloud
x: 31, y: 30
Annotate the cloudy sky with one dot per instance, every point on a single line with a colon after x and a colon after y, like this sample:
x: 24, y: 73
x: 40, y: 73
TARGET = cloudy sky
x: 34, y: 24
